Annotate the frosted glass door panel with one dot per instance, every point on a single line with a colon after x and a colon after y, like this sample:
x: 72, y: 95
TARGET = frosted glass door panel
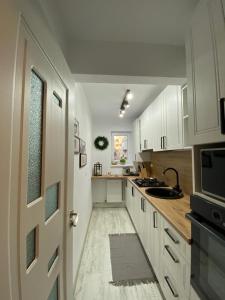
x: 54, y: 295
x: 35, y: 138
x: 52, y: 200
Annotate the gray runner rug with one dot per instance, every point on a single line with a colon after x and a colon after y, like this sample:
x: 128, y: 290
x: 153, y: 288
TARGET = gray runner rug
x: 130, y: 265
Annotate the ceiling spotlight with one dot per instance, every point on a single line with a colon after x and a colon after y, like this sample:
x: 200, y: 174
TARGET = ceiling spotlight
x: 129, y: 95
x: 126, y: 104
x: 121, y: 114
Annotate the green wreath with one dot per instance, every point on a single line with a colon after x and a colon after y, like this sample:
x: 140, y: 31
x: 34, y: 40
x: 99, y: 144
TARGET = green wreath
x: 101, y: 143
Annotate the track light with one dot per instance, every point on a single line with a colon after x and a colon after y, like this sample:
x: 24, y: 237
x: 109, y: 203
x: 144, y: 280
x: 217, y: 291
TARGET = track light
x: 125, y: 103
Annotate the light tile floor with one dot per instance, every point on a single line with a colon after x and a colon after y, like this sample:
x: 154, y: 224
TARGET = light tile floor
x: 95, y: 270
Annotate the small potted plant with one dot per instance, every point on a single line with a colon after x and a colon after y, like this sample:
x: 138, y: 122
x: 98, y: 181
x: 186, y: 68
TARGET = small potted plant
x: 123, y: 160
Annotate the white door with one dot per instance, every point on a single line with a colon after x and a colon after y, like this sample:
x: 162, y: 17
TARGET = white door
x: 42, y: 188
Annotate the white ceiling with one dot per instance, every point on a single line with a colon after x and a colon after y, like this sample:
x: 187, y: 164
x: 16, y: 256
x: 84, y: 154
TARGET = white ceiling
x: 143, y: 21
x: 105, y: 99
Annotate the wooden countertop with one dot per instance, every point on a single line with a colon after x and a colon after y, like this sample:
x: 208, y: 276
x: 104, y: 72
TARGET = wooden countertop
x: 173, y: 211
x: 113, y: 177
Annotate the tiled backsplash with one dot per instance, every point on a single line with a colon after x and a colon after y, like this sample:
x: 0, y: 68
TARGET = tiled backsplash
x: 180, y: 160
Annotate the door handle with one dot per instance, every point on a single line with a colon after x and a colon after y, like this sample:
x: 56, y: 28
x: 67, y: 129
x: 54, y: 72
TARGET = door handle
x: 74, y: 218
x: 164, y: 142
x: 222, y: 115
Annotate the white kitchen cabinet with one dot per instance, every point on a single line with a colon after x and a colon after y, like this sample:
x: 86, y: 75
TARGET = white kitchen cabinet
x: 147, y: 129
x: 137, y: 137
x: 158, y: 122
x: 114, y: 191
x: 99, y: 191
x: 173, y: 127
x: 167, y: 251
x: 175, y: 264
x: 205, y: 48
x: 161, y: 123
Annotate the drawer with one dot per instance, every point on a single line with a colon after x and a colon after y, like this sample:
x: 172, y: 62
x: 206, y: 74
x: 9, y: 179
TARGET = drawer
x: 172, y: 238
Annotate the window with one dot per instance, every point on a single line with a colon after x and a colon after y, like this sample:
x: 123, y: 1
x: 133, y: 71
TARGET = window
x: 120, y: 147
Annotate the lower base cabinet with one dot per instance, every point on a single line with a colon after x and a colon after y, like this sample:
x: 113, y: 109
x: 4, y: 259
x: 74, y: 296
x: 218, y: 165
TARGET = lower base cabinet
x: 167, y: 251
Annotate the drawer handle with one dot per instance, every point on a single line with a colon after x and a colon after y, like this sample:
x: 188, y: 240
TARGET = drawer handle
x: 174, y: 258
x: 175, y: 240
x: 171, y: 286
x: 155, y: 219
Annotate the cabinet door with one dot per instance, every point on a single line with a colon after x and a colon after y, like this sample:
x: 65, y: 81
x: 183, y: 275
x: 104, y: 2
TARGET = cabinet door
x: 136, y: 135
x: 156, y: 245
x: 173, y: 118
x: 114, y: 190
x: 157, y: 122
x: 203, y: 77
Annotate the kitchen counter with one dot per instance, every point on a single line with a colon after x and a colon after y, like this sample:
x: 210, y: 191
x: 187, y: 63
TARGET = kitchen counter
x: 113, y: 177
x: 173, y: 211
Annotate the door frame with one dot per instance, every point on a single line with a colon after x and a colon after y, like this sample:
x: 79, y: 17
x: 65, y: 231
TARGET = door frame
x: 15, y: 169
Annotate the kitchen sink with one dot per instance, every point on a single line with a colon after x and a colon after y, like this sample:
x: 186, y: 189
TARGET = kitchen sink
x: 164, y: 193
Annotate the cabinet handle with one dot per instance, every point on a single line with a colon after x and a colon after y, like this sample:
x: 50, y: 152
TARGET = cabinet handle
x: 132, y: 191
x: 174, y: 258
x: 161, y: 142
x: 171, y: 286
x: 174, y: 239
x: 143, y: 204
x: 222, y: 115
x: 155, y: 219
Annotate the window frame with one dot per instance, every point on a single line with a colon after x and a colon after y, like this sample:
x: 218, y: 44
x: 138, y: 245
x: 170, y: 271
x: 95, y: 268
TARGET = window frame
x: 129, y: 145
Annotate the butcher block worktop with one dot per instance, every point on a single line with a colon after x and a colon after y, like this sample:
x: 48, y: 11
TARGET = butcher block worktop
x: 173, y: 211
x: 111, y: 177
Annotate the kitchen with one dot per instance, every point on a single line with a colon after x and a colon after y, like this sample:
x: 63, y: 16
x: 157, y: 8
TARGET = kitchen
x: 113, y: 150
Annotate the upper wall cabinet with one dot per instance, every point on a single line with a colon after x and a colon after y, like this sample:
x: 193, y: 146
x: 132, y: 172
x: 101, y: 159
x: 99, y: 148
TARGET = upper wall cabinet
x: 173, y: 133
x: 160, y: 125
x: 205, y: 49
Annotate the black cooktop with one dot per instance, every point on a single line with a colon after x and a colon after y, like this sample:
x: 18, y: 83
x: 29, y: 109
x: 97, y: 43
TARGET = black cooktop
x: 149, y: 182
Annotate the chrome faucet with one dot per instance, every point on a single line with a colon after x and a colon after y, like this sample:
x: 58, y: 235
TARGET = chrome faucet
x: 177, y: 186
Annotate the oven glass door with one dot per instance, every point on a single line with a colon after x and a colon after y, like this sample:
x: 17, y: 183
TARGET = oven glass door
x: 208, y: 261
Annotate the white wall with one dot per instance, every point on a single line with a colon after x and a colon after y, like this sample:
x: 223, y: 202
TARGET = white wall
x: 82, y: 177
x: 104, y: 127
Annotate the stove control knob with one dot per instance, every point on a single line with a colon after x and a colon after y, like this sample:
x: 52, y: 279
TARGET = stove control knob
x: 217, y: 216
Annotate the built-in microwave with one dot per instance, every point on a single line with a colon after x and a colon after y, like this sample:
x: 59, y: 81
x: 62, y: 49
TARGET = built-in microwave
x: 213, y: 172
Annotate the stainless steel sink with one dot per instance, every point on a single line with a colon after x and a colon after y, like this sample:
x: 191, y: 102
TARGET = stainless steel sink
x: 164, y: 193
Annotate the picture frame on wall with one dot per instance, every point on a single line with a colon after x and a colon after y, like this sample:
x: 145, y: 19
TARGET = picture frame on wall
x: 83, y: 160
x: 76, y: 128
x: 76, y: 145
x: 82, y: 146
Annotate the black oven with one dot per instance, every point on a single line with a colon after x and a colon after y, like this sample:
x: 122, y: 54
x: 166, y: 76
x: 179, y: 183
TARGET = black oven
x: 207, y: 249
